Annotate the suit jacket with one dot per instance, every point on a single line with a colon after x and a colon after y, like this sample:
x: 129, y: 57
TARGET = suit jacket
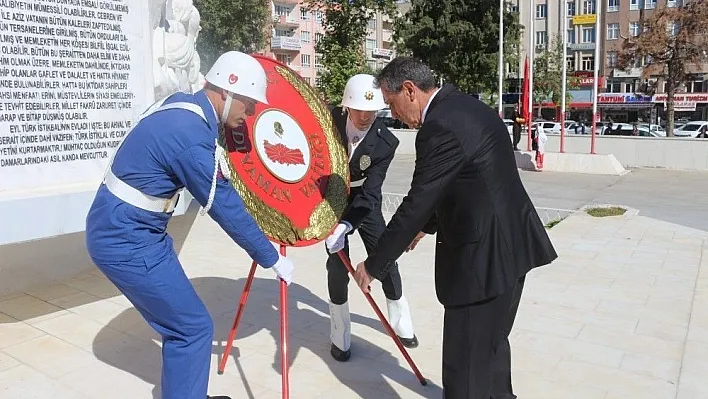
x: 466, y: 187
x: 369, y: 164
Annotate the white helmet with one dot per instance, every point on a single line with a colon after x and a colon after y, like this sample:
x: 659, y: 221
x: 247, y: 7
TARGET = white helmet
x: 360, y: 94
x: 241, y: 74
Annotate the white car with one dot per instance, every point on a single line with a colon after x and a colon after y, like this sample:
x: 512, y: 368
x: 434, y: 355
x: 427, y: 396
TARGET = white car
x: 509, y: 125
x: 549, y: 127
x: 691, y: 129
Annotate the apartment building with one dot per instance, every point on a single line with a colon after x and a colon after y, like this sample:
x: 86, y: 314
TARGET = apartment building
x: 628, y: 95
x: 548, y: 19
x: 296, y: 31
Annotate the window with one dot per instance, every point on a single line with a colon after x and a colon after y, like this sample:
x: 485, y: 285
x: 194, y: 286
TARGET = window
x: 696, y: 86
x: 541, y: 11
x: 305, y: 36
x: 371, y: 24
x: 284, y: 58
x: 571, y: 36
x: 570, y: 63
x: 648, y: 60
x: 282, y: 11
x: 588, y: 63
x: 541, y: 39
x: 673, y: 28
x: 611, y: 59
x: 589, y: 35
x: 318, y: 62
x: 629, y: 87
x: 634, y: 29
x: 613, y: 87
x: 671, y: 3
x: 370, y: 44
x: 318, y: 17
x: 308, y: 80
x: 305, y: 60
x: 571, y: 8
x: 318, y: 37
x: 613, y: 31
x: 514, y: 8
x: 371, y: 64
x: 282, y: 32
x: 588, y: 6
x: 613, y: 5
x: 304, y: 15
x: 633, y: 4
x: 649, y: 4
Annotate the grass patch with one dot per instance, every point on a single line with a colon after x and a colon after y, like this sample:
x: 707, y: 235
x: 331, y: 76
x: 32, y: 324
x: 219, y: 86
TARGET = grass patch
x: 604, y: 212
x: 552, y: 223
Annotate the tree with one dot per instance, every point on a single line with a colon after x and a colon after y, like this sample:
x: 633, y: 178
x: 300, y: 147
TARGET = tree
x: 459, y: 39
x: 548, y: 74
x: 342, y: 46
x: 231, y: 25
x: 672, y: 39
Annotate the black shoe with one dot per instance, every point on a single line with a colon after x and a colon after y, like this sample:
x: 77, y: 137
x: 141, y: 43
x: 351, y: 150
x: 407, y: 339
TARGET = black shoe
x: 409, y: 342
x: 339, y: 355
x: 219, y: 397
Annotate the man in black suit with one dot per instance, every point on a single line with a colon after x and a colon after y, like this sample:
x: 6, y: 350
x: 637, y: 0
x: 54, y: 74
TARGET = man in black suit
x: 371, y: 147
x: 465, y: 187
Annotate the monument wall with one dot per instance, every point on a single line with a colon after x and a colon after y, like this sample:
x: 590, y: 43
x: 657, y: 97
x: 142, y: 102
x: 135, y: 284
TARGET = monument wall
x: 74, y: 76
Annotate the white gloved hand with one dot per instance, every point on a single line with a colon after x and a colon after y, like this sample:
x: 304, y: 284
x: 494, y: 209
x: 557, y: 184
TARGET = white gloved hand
x: 283, y: 269
x: 335, y: 242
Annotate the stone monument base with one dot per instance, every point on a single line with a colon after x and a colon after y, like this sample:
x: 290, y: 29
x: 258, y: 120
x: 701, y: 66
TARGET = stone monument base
x: 574, y: 163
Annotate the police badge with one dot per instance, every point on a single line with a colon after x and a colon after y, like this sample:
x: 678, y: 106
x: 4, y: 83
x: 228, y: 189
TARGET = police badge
x: 364, y: 162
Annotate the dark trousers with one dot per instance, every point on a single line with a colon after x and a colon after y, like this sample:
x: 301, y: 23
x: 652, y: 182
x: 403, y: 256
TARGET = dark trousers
x: 517, y: 136
x: 476, y: 350
x: 337, y: 276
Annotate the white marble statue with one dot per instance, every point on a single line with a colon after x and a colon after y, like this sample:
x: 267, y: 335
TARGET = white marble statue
x: 176, y: 63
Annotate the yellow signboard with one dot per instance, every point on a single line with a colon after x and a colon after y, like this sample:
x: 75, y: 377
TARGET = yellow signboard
x: 584, y: 19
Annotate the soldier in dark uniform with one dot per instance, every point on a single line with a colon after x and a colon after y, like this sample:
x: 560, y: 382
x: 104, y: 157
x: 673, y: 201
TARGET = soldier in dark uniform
x: 371, y: 147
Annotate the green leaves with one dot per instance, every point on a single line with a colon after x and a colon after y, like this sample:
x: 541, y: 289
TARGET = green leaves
x: 548, y: 74
x: 342, y: 46
x: 231, y: 25
x: 459, y: 39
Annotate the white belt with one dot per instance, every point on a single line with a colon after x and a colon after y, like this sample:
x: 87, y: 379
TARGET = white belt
x: 357, y: 183
x: 136, y: 198
x: 133, y: 196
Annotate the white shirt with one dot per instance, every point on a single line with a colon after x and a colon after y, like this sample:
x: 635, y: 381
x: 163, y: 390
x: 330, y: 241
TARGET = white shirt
x: 354, y: 136
x: 425, y: 110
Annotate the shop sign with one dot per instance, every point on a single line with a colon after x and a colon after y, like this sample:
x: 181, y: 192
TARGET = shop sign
x: 622, y: 98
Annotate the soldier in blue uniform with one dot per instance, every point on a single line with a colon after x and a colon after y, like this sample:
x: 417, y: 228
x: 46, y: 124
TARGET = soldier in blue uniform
x: 175, y: 146
x: 371, y: 147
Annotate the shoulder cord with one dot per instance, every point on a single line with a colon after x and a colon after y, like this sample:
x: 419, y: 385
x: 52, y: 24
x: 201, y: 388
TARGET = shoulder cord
x: 220, y: 163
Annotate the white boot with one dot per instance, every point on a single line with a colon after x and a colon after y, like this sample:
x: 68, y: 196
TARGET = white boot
x: 399, y: 316
x: 340, y: 330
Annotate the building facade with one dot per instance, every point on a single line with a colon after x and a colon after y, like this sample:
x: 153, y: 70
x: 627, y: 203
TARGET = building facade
x: 624, y: 95
x: 639, y: 93
x: 296, y: 31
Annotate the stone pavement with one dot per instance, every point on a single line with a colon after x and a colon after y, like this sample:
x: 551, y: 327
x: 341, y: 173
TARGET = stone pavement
x: 623, y: 313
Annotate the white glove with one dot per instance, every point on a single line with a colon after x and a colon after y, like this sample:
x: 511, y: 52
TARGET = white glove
x: 335, y: 242
x: 283, y: 269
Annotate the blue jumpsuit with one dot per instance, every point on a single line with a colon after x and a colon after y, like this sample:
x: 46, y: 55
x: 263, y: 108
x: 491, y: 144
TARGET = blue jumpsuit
x: 165, y: 152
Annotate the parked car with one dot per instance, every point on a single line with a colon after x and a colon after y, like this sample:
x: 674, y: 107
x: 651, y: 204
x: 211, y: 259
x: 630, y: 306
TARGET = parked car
x: 627, y: 129
x: 691, y: 129
x: 389, y: 120
x: 509, y: 125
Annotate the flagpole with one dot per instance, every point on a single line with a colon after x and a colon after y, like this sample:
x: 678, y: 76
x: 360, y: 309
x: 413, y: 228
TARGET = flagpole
x: 564, y: 78
x: 532, y: 57
x: 595, y: 82
x: 501, y: 57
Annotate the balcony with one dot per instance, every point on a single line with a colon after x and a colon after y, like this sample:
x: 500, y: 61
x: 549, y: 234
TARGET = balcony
x: 382, y: 53
x: 286, y: 43
x: 387, y: 36
x: 633, y: 72
x: 282, y: 21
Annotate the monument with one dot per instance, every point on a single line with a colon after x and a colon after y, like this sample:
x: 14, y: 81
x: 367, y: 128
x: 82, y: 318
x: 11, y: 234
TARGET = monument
x: 74, y: 75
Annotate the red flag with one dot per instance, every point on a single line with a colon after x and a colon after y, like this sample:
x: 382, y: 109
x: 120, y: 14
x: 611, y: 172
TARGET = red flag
x: 525, y: 110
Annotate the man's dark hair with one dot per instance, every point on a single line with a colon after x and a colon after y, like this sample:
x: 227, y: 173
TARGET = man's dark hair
x: 401, y: 69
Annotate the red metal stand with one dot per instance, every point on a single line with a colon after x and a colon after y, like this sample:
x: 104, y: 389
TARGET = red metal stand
x: 284, y: 364
x: 385, y: 322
